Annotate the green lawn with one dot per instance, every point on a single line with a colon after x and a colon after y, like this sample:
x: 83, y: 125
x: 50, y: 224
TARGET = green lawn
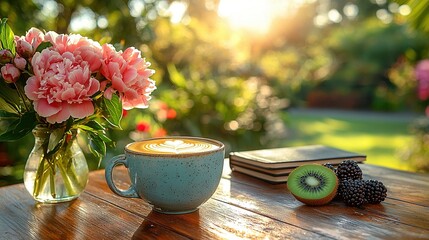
x: 381, y: 136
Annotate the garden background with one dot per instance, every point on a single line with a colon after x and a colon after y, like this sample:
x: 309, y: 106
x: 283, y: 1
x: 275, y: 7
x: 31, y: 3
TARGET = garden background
x: 259, y: 74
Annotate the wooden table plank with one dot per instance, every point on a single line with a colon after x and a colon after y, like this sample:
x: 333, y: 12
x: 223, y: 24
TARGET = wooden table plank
x: 214, y: 219
x: 402, y: 186
x: 395, y: 217
x: 334, y: 219
x: 275, y: 202
x: 242, y: 207
x: 85, y: 218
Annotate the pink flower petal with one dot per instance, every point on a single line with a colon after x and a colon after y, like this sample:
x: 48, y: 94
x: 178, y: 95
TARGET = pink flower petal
x: 81, y: 110
x: 44, y: 109
x: 68, y: 94
x: 94, y: 86
x: 108, y: 93
x: 130, y: 75
x: 118, y: 84
x: 61, y: 116
x: 62, y: 85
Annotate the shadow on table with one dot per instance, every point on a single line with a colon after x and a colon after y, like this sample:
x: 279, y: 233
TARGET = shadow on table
x: 153, y: 227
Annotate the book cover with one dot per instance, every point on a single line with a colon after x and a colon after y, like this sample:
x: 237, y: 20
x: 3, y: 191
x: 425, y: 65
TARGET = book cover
x: 275, y: 171
x: 260, y: 175
x: 271, y: 171
x: 290, y: 157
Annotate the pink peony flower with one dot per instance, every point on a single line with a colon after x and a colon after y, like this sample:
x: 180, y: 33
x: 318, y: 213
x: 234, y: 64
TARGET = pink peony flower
x: 26, y: 45
x: 84, y: 49
x: 5, y: 56
x: 128, y: 74
x: 61, y: 86
x: 10, y: 73
x: 20, y: 62
x: 24, y: 48
x: 34, y: 37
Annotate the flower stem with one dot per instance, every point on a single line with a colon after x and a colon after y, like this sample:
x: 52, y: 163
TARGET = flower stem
x: 52, y: 180
x: 21, y: 95
x: 40, y: 178
x: 58, y: 177
x: 69, y: 177
x: 68, y: 180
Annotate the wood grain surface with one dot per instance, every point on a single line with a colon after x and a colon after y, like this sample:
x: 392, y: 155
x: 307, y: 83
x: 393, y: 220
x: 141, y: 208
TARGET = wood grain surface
x: 242, y: 208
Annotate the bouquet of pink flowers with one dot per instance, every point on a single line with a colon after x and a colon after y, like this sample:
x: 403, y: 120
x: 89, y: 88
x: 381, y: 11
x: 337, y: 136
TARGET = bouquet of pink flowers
x: 67, y: 81
x: 65, y: 84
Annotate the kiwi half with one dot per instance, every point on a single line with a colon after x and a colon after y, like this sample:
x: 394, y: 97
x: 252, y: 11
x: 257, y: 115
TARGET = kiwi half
x: 313, y: 184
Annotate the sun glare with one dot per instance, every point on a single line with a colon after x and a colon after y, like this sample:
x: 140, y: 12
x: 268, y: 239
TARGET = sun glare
x: 253, y: 15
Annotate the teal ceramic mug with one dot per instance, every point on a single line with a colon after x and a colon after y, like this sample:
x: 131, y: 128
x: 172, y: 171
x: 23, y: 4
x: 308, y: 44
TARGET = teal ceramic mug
x: 174, y: 174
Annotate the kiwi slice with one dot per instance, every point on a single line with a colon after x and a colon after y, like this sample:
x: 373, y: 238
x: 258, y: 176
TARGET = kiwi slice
x: 313, y: 184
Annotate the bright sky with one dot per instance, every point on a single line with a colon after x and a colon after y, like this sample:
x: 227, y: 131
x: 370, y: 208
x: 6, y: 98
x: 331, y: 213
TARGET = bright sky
x: 255, y: 15
x: 252, y: 15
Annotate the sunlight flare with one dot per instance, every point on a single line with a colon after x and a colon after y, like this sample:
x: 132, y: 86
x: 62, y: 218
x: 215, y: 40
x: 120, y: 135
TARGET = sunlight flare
x: 255, y: 15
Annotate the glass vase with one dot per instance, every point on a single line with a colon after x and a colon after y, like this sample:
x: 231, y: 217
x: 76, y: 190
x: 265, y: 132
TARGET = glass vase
x: 55, y: 175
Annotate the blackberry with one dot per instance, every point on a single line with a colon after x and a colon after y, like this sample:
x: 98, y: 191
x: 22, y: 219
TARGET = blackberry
x: 352, y: 192
x: 375, y: 191
x: 348, y: 169
x: 330, y: 166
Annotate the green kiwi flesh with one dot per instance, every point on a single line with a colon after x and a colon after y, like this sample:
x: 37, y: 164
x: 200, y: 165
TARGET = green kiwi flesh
x: 313, y: 184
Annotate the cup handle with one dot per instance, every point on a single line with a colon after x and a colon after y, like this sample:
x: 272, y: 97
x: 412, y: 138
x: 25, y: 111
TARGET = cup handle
x: 120, y: 159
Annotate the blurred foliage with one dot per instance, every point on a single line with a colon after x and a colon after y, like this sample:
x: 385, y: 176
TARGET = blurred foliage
x: 233, y: 85
x: 419, y: 16
x: 364, y: 54
x: 402, y: 76
x: 417, y: 153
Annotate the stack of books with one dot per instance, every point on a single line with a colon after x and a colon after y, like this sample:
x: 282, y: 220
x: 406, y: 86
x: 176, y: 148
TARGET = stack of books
x: 274, y: 165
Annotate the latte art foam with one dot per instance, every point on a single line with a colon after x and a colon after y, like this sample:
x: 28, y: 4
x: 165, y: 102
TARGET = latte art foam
x: 172, y: 146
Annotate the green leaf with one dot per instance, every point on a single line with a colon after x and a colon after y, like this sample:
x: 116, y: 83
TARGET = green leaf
x: 43, y: 45
x: 95, y: 125
x: 97, y: 146
x: 10, y: 97
x: 7, y: 36
x: 20, y: 127
x: 95, y: 128
x: 86, y: 128
x: 7, y: 119
x: 6, y: 115
x: 113, y: 111
x: 55, y: 138
x: 6, y: 106
x: 104, y: 137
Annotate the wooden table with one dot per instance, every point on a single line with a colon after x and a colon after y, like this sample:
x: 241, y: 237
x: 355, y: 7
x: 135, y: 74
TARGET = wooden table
x: 242, y: 207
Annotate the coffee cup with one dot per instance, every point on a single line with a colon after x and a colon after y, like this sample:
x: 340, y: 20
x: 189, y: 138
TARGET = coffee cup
x: 174, y: 174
